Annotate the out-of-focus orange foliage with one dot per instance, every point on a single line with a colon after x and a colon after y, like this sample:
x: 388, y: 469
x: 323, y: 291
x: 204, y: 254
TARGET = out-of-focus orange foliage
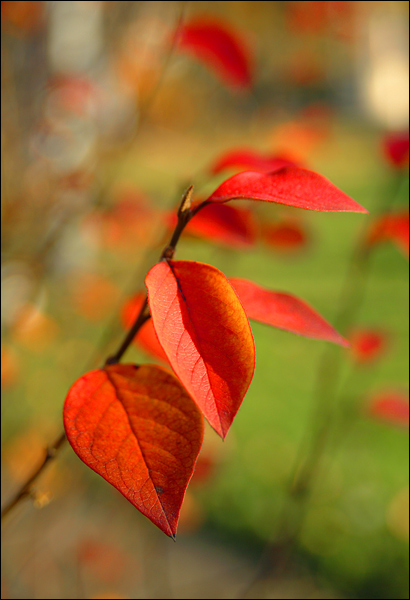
x: 129, y: 224
x: 34, y: 329
x: 9, y: 366
x: 367, y: 345
x: 93, y: 296
x: 393, y: 227
x: 391, y: 406
x: 316, y: 17
x: 287, y: 235
x: 303, y: 135
x: 22, y: 17
x: 106, y: 562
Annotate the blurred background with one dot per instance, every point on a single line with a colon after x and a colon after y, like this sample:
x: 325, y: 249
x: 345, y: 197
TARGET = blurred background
x: 109, y: 110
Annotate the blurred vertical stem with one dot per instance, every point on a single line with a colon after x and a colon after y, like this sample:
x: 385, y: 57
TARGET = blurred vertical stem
x: 277, y: 554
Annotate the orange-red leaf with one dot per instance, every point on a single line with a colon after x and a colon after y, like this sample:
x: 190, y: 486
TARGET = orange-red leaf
x: 225, y: 224
x: 287, y: 235
x: 206, y: 335
x: 392, y: 227
x: 249, y: 159
x: 292, y: 186
x: 139, y: 429
x: 220, y: 48
x: 146, y: 337
x: 284, y: 311
x: 391, y: 406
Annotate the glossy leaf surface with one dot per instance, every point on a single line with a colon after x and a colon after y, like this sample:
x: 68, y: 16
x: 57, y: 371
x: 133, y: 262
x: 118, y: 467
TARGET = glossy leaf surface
x: 206, y: 335
x: 284, y: 311
x: 292, y: 186
x: 146, y: 337
x: 139, y: 429
x: 218, y: 47
x: 249, y: 159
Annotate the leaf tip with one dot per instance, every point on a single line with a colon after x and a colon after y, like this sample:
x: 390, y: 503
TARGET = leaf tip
x: 173, y: 537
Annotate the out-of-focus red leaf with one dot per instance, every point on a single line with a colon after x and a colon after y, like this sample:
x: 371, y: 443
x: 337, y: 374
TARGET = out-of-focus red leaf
x: 24, y: 16
x: 139, y: 429
x: 292, y: 186
x: 146, y: 337
x: 206, y: 335
x: 107, y: 562
x: 249, y: 159
x: 225, y: 224
x: 391, y: 227
x: 396, y: 149
x: 391, y: 406
x: 367, y: 345
x: 220, y: 48
x: 285, y: 236
x: 284, y: 311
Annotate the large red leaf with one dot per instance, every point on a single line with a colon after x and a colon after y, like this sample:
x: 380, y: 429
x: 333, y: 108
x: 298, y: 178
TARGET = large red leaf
x: 284, y: 311
x: 146, y: 337
x: 206, y: 335
x: 292, y: 186
x: 219, y: 47
x: 139, y: 429
x: 249, y: 159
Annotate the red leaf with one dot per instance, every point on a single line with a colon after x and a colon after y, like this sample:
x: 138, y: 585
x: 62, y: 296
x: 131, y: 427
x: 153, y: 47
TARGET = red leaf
x: 206, y: 335
x: 226, y: 224
x: 249, y: 159
x: 285, y: 236
x: 396, y: 149
x: 146, y: 338
x: 220, y: 48
x: 391, y: 227
x: 284, y: 311
x: 138, y: 428
x: 292, y: 186
x: 391, y: 406
x: 367, y: 345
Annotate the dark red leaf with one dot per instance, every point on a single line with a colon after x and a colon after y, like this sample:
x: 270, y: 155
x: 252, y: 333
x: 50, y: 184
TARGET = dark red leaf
x: 206, y: 335
x: 220, y: 48
x: 292, y: 186
x: 225, y: 224
x: 146, y: 338
x: 391, y: 227
x: 249, y: 159
x: 391, y: 406
x: 139, y: 429
x: 396, y: 149
x: 284, y: 311
x: 367, y: 345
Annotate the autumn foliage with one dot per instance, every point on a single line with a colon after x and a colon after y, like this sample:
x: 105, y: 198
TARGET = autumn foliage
x: 141, y: 427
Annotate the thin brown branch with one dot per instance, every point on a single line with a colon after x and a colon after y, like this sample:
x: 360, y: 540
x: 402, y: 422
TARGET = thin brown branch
x: 184, y: 215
